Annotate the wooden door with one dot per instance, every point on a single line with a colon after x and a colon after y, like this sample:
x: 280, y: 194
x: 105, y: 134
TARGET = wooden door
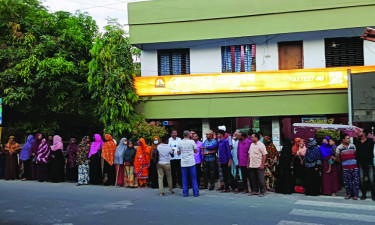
x: 290, y: 55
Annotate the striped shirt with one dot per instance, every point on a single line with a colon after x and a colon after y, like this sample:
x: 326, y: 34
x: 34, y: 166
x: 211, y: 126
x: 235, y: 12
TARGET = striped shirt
x: 210, y: 146
x: 347, y: 155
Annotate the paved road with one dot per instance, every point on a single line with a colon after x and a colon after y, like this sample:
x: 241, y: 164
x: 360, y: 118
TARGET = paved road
x: 29, y: 202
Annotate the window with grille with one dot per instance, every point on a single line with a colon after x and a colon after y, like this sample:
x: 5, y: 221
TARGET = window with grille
x: 238, y: 58
x: 173, y: 62
x: 344, y: 52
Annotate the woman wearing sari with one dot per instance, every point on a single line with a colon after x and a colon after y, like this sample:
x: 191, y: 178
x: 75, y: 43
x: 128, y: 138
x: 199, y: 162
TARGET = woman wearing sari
x: 130, y: 180
x: 119, y: 161
x: 330, y: 172
x: 71, y: 161
x: 82, y: 161
x: 142, y: 162
x: 11, y: 160
x: 42, y: 161
x: 95, y: 161
x: 108, y: 154
x: 57, y: 160
x: 271, y: 162
x: 25, y: 157
x: 312, y: 166
x: 34, y: 152
x: 284, y: 178
x: 153, y: 174
x: 298, y: 167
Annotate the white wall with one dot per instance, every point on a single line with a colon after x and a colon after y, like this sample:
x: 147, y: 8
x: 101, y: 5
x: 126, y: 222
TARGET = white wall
x: 205, y: 60
x: 314, y: 54
x: 149, y: 63
x: 369, y: 53
x: 267, y: 57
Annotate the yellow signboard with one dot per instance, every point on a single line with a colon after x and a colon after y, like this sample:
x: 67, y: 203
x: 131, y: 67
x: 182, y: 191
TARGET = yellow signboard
x: 283, y: 80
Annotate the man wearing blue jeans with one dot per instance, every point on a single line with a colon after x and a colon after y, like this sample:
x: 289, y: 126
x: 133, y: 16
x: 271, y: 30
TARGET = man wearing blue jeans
x: 186, y: 149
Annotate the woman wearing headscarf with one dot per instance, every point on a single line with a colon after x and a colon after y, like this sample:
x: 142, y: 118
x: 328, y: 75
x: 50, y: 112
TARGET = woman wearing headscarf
x: 130, y: 180
x: 284, y: 172
x: 25, y: 157
x: 71, y: 161
x: 82, y: 161
x: 42, y: 161
x: 57, y: 160
x: 153, y: 174
x: 312, y: 167
x: 142, y: 162
x: 95, y: 161
x: 119, y: 161
x: 108, y: 154
x: 271, y: 162
x: 33, y: 157
x: 298, y: 167
x: 11, y: 160
x: 330, y: 175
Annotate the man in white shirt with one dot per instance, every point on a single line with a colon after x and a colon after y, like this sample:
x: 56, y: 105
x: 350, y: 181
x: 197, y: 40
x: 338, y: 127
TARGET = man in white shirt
x: 176, y: 160
x: 163, y: 164
x: 186, y: 150
x: 257, y: 159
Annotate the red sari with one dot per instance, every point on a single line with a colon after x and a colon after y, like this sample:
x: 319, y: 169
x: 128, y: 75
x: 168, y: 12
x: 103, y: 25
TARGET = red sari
x: 142, y: 161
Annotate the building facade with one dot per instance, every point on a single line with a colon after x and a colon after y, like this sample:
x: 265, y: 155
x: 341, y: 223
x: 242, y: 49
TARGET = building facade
x: 249, y: 64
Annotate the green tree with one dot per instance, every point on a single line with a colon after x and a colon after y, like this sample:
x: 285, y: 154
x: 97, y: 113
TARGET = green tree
x: 44, y: 67
x: 110, y: 80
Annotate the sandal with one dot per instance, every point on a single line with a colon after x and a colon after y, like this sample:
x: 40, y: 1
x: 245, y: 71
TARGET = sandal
x: 261, y: 195
x: 347, y: 197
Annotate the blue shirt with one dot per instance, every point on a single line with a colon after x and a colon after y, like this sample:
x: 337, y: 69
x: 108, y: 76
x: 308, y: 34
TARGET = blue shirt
x: 210, y: 146
x: 224, y: 151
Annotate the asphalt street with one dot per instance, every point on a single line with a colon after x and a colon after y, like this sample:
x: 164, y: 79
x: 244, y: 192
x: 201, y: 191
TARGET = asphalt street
x: 30, y: 202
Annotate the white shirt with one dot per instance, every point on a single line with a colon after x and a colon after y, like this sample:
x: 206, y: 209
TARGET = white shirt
x: 187, y: 147
x: 164, y: 153
x: 174, y: 145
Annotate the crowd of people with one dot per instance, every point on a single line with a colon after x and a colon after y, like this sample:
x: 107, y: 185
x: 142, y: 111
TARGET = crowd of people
x: 241, y: 162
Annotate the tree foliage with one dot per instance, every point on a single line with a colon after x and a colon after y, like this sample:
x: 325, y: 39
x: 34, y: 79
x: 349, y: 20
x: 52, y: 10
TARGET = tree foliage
x: 111, y: 78
x: 43, y: 67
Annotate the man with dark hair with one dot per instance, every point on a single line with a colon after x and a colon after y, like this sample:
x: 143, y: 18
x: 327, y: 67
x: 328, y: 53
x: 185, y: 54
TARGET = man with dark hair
x: 249, y: 133
x: 186, y: 149
x: 261, y: 136
x: 175, y: 160
x: 163, y: 165
x: 346, y: 152
x: 257, y: 159
x: 364, y: 156
x: 243, y: 158
x: 198, y: 157
x: 225, y: 160
x: 209, y: 150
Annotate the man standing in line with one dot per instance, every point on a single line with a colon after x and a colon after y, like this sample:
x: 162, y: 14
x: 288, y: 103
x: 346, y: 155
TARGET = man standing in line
x: 163, y: 165
x: 175, y: 160
x: 346, y: 152
x: 198, y: 157
x: 186, y: 150
x: 365, y: 155
x: 257, y: 159
x: 243, y: 158
x: 225, y: 160
x: 208, y: 151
